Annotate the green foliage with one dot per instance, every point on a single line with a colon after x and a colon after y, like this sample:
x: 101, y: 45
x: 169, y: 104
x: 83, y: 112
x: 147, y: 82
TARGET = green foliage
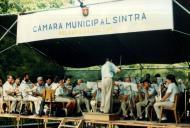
x: 20, y: 59
x: 86, y: 75
x: 16, y: 6
x: 94, y: 75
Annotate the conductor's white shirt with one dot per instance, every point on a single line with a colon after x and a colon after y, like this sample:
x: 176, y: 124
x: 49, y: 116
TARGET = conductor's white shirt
x: 108, y: 69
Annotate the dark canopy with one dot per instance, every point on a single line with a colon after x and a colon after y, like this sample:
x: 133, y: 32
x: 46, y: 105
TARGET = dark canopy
x: 164, y: 46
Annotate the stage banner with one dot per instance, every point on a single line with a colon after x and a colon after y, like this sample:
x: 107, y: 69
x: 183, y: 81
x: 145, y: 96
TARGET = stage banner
x: 110, y: 17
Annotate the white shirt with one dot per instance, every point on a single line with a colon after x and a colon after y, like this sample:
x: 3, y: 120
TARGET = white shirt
x: 7, y: 87
x: 173, y: 89
x: 1, y: 91
x: 39, y: 88
x: 24, y: 87
x: 59, y: 91
x: 54, y: 86
x: 108, y: 69
x: 48, y: 86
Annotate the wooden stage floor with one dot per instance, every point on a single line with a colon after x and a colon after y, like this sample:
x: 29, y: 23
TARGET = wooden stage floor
x: 94, y: 122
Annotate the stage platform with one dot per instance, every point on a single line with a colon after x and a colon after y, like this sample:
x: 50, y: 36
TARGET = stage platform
x: 101, y: 116
x: 95, y: 121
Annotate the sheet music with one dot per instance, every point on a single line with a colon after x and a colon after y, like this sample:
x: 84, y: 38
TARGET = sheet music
x: 91, y: 85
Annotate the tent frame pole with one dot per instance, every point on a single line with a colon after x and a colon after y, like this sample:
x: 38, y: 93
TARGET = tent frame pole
x: 8, y: 30
x: 7, y: 48
x: 141, y: 69
x: 181, y: 6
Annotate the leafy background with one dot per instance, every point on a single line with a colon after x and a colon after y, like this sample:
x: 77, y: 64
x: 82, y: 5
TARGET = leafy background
x: 23, y: 58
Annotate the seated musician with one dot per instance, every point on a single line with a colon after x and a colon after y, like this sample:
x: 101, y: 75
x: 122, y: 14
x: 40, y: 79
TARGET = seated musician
x: 148, y: 100
x: 168, y: 99
x: 1, y: 95
x: 55, y: 83
x: 27, y: 89
x: 123, y: 96
x: 39, y: 88
x: 18, y: 96
x: 128, y: 94
x: 62, y: 94
x: 48, y: 84
x: 9, y: 92
x: 80, y: 93
x: 115, y: 96
x: 161, y: 91
x: 96, y: 99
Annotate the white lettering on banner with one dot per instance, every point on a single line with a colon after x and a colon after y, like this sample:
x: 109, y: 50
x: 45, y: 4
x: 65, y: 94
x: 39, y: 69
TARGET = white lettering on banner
x: 107, y: 18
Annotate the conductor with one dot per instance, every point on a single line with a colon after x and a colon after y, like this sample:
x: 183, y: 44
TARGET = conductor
x: 108, y: 70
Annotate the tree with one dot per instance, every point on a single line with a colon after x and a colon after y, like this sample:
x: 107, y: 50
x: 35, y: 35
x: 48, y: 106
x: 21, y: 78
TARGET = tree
x: 17, y: 6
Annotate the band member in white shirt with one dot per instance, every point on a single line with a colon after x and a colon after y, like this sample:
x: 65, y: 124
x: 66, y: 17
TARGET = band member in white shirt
x: 168, y: 99
x: 27, y: 89
x: 9, y: 92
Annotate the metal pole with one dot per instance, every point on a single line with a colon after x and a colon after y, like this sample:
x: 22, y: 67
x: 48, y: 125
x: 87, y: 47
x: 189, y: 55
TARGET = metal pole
x: 7, y: 48
x: 8, y: 30
x: 120, y: 60
x: 185, y: 104
x: 186, y: 10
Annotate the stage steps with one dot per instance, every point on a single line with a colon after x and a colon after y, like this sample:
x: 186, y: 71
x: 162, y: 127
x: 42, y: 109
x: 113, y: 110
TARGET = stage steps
x: 76, y: 124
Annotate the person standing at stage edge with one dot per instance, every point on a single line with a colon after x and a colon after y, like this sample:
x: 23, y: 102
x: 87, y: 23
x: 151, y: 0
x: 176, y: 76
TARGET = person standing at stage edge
x: 108, y: 70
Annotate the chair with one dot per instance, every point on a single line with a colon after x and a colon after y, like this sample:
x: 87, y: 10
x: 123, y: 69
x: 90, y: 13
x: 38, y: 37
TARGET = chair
x: 49, y: 97
x: 173, y: 108
x: 8, y: 105
x: 22, y: 102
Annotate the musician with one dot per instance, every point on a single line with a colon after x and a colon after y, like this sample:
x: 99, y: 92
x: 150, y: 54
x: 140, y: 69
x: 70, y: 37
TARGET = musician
x: 181, y: 86
x: 80, y: 93
x: 40, y: 87
x: 9, y: 92
x: 96, y: 99
x: 127, y: 96
x: 17, y: 94
x: 62, y: 94
x: 27, y: 89
x: 48, y: 83
x: 1, y: 95
x: 115, y: 96
x: 55, y: 83
x: 158, y: 78
x: 149, y: 98
x: 168, y: 99
x: 107, y: 71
